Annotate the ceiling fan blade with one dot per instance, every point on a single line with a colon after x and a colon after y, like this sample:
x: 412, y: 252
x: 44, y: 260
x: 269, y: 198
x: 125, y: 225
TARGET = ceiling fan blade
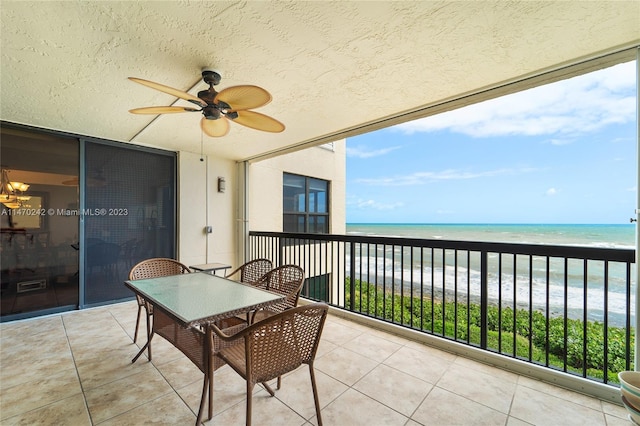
x: 170, y: 90
x: 214, y: 128
x: 162, y: 110
x: 258, y: 121
x: 243, y: 97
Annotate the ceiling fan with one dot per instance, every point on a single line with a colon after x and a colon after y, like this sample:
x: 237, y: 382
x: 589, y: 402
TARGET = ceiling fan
x: 233, y: 103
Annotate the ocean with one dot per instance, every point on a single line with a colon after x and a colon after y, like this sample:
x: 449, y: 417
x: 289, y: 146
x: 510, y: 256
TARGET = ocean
x: 614, y: 236
x: 607, y: 236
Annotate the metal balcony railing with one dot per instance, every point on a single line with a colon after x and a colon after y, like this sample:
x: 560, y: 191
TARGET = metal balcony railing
x: 563, y: 307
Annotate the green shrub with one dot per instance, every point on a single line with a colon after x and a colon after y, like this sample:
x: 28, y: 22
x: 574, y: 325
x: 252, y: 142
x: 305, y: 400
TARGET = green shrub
x: 537, y: 338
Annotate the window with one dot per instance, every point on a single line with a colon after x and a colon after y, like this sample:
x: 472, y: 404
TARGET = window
x: 305, y: 204
x: 317, y: 288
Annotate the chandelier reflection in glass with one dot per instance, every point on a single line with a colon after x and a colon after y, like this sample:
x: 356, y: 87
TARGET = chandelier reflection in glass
x: 12, y: 193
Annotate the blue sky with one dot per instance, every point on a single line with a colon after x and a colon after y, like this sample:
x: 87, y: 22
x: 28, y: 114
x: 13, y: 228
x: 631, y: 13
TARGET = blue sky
x: 561, y: 153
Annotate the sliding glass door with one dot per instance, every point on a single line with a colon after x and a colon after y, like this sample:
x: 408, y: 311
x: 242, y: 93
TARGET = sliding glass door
x: 76, y: 215
x: 129, y: 215
x: 39, y: 251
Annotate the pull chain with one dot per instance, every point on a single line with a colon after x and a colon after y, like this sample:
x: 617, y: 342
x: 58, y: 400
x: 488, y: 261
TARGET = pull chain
x: 201, y: 157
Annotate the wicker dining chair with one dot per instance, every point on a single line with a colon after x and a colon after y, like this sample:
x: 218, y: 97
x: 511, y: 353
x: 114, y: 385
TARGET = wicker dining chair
x: 191, y: 342
x: 153, y: 268
x: 276, y: 346
x: 252, y: 271
x: 286, y: 280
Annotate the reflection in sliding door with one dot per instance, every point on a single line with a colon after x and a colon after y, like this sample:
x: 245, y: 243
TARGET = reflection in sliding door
x: 129, y: 215
x: 39, y: 221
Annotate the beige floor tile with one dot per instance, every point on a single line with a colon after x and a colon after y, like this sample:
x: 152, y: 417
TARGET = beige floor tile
x: 421, y: 364
x: 512, y: 421
x: 68, y: 411
x: 354, y: 408
x: 180, y: 372
x: 373, y: 347
x: 50, y: 388
x: 388, y: 336
x: 612, y: 409
x: 442, y: 407
x: 393, y: 388
x: 486, y: 389
x: 541, y: 408
x: 43, y: 361
x: 325, y: 347
x: 439, y: 353
x: 296, y: 391
x: 339, y: 333
x: 617, y: 421
x: 37, y: 326
x: 33, y: 366
x: 110, y: 365
x: 558, y: 392
x: 162, y: 351
x: 344, y: 365
x: 494, y: 371
x: 168, y: 410
x: 266, y: 410
x: 229, y: 389
x: 120, y: 396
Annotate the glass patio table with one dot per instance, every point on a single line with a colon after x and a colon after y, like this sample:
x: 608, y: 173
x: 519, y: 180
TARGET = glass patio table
x: 185, y: 305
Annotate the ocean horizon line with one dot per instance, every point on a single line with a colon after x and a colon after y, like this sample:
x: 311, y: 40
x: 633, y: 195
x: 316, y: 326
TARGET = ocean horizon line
x: 489, y: 224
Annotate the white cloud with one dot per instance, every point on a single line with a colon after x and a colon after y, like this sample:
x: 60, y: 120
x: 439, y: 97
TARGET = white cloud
x: 420, y: 178
x: 566, y: 108
x: 555, y: 141
x: 362, y: 152
x: 551, y: 192
x: 375, y: 205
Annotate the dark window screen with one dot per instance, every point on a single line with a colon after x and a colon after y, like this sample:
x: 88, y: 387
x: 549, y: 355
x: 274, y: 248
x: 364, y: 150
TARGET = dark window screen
x: 305, y: 204
x: 129, y: 215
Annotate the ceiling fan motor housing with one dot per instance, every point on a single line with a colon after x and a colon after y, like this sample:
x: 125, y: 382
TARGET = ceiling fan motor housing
x: 210, y: 112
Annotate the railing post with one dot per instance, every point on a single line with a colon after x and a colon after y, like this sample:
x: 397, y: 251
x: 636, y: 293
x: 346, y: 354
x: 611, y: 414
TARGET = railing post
x: 484, y: 297
x: 352, y: 276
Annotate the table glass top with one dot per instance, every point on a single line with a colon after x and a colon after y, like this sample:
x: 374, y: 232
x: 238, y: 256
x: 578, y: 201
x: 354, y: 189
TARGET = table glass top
x: 197, y: 296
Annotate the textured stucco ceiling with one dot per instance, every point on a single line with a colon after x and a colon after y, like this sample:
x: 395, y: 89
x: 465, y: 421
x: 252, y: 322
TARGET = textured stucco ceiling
x: 330, y: 66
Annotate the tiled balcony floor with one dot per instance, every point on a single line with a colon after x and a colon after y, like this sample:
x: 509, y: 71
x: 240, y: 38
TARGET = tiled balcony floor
x: 75, y: 369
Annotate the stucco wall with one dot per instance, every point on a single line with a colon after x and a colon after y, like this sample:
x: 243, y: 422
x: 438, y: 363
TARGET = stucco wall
x: 265, y: 182
x: 200, y: 203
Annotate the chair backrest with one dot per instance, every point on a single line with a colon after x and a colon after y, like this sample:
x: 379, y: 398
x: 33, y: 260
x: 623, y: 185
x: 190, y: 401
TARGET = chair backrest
x: 157, y: 267
x: 283, y: 342
x: 286, y: 280
x: 252, y: 271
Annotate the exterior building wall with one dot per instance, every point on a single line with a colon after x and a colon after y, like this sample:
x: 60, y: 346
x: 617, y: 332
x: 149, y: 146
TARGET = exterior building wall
x: 200, y: 204
x: 265, y: 185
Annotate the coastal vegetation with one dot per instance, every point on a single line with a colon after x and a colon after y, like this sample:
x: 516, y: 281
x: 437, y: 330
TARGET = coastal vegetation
x: 553, y: 341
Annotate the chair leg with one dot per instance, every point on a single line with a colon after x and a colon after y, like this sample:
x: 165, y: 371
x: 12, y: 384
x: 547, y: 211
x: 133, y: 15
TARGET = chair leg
x: 279, y: 382
x: 268, y: 388
x: 211, y: 379
x: 249, y: 401
x: 315, y: 394
x: 135, y: 335
x: 149, y: 318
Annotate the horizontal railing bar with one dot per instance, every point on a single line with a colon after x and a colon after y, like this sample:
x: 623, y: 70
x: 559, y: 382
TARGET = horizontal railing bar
x: 571, y: 252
